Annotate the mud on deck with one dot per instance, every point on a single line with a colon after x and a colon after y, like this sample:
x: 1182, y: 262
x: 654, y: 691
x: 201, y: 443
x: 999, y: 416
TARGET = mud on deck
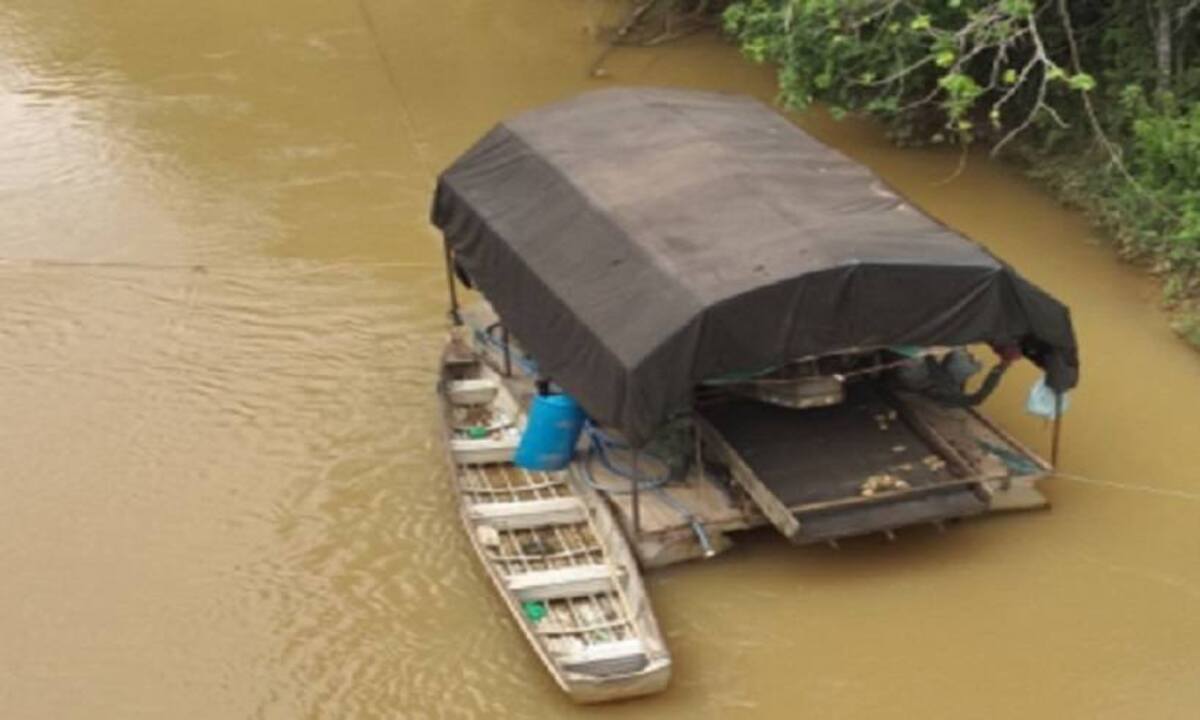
x: 875, y: 462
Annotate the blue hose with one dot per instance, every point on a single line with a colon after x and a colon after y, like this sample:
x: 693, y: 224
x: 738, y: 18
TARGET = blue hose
x: 599, y: 447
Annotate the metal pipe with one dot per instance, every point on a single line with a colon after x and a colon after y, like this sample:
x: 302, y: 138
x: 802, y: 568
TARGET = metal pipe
x: 702, y: 535
x: 454, y: 314
x: 1057, y: 429
x: 697, y: 526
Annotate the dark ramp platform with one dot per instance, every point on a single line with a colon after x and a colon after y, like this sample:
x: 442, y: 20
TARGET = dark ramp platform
x: 820, y: 465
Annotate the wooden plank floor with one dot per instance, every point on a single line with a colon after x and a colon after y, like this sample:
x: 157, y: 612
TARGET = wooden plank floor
x: 700, y: 497
x: 983, y: 448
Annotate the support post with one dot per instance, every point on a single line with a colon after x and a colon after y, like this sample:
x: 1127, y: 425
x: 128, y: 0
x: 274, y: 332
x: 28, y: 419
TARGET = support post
x: 637, y: 510
x: 454, y: 314
x: 507, y: 351
x: 1057, y: 429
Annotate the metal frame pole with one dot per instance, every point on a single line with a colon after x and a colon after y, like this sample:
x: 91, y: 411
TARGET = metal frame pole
x: 507, y: 352
x: 1057, y: 429
x: 454, y: 314
x: 637, y: 511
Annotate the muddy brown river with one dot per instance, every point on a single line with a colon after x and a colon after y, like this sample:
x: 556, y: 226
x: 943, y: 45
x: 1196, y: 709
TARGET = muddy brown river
x: 220, y: 489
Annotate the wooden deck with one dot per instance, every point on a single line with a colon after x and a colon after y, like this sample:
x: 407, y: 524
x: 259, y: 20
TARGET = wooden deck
x: 664, y: 530
x: 667, y: 515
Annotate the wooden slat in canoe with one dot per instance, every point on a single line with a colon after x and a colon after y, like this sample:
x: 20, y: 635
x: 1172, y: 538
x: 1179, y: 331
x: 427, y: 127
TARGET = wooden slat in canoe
x: 530, y: 513
x: 561, y: 582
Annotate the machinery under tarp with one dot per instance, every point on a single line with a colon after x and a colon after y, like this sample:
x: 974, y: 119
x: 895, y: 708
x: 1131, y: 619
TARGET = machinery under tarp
x: 639, y: 241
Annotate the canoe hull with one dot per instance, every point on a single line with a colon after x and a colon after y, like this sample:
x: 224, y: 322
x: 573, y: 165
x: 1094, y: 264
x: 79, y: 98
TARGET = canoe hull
x: 556, y: 557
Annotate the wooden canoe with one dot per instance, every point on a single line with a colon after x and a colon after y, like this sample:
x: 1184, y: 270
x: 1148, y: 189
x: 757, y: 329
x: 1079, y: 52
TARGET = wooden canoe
x: 549, y: 544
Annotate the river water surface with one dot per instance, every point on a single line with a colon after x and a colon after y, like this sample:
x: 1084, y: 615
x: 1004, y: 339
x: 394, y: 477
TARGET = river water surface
x: 220, y: 489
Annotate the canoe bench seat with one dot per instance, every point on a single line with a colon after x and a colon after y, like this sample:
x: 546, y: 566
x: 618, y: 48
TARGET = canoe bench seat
x: 564, y: 582
x: 475, y: 391
x: 530, y: 513
x: 620, y: 657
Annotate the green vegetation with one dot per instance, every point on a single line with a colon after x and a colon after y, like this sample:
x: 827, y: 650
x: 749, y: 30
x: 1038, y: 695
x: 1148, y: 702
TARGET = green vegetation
x: 1100, y: 97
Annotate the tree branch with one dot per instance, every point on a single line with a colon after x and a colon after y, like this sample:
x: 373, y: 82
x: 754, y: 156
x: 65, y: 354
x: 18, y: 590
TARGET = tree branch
x: 1114, y: 153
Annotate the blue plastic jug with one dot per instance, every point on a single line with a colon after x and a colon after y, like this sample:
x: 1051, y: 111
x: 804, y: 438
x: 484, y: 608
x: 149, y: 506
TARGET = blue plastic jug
x: 548, y: 442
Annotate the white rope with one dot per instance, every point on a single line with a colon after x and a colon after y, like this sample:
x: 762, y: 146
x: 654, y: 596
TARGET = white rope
x: 203, y: 267
x: 1179, y: 494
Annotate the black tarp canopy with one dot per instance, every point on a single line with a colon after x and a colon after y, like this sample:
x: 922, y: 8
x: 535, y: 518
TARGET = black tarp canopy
x: 638, y: 241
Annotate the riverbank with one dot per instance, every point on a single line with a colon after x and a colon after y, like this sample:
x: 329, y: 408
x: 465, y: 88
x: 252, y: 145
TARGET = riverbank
x: 1130, y: 218
x: 1101, y: 106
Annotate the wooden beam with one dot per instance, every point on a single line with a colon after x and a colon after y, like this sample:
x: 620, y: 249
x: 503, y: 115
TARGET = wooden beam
x: 1012, y: 441
x: 958, y: 464
x: 886, y: 497
x: 743, y: 475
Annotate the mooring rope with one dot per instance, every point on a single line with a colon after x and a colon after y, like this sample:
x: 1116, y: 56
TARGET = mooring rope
x: 1179, y: 494
x: 406, y: 116
x: 304, y: 267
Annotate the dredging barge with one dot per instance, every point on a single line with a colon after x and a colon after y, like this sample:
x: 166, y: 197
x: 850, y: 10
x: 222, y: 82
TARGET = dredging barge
x: 735, y: 307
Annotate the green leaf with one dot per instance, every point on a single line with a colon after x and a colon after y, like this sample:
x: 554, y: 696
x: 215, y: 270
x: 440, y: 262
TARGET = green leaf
x: 756, y: 50
x: 944, y: 59
x: 1082, y: 81
x: 884, y: 105
x: 1017, y: 8
x: 1010, y: 76
x: 920, y: 22
x: 959, y: 84
x: 733, y: 17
